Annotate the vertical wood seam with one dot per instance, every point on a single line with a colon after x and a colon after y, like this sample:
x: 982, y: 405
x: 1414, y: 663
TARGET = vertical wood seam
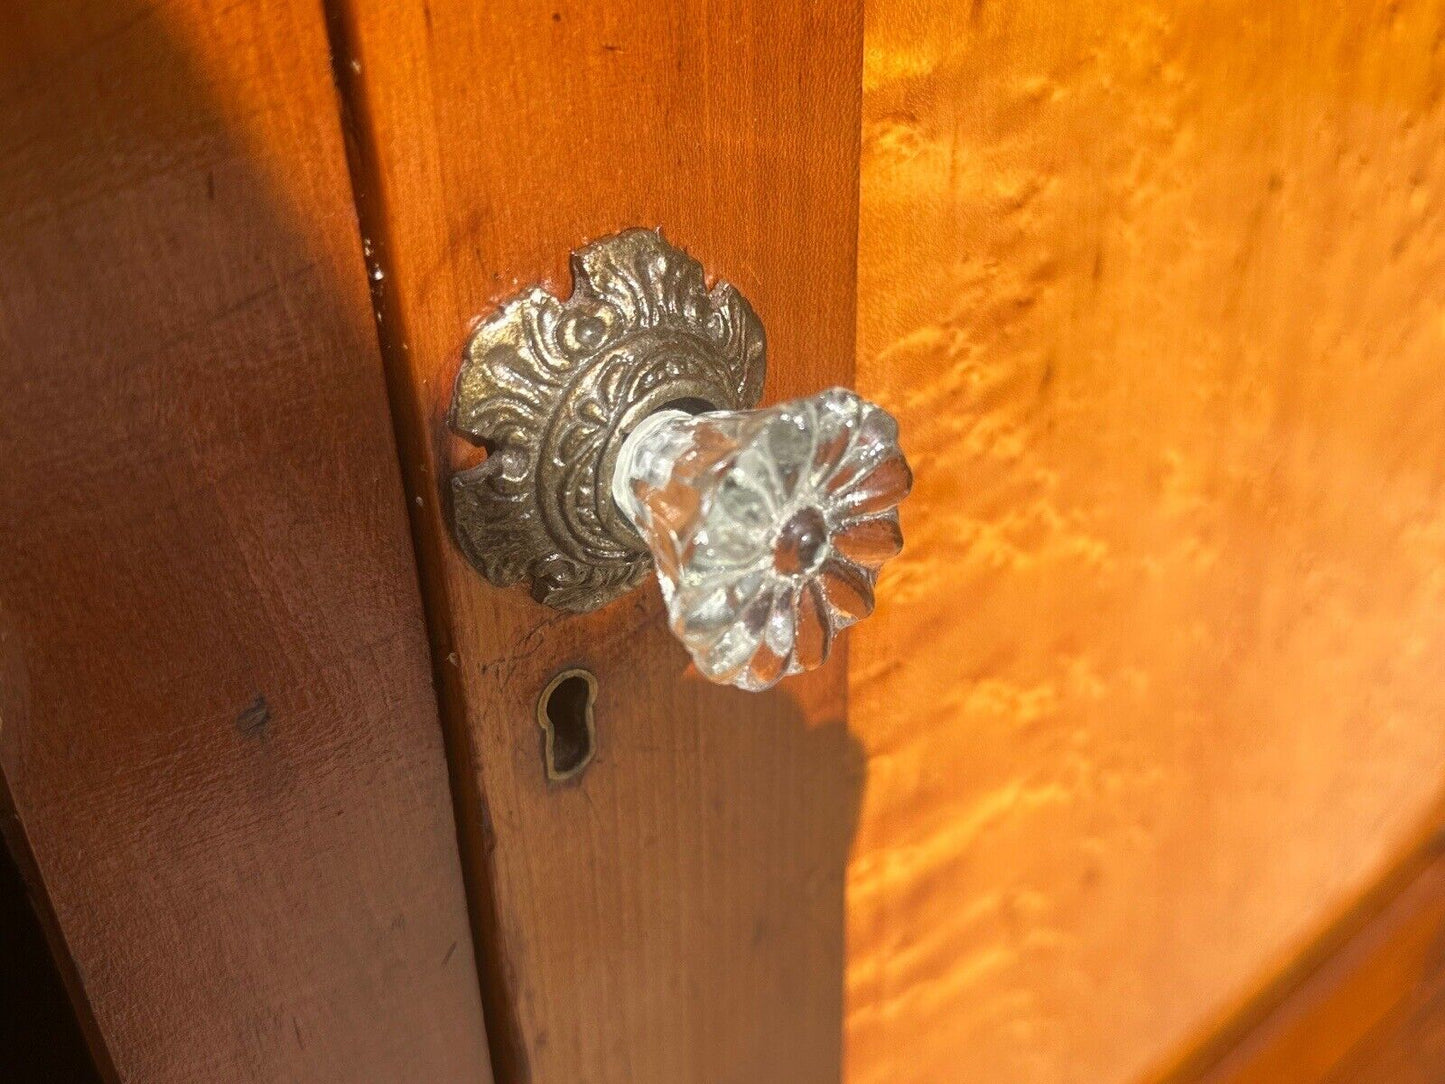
x: 475, y: 838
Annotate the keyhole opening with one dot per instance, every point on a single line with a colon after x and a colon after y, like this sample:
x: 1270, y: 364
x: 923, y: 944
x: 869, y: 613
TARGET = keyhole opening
x: 564, y: 712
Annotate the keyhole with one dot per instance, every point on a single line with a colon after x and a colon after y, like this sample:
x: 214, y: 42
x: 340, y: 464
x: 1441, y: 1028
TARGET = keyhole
x: 564, y: 712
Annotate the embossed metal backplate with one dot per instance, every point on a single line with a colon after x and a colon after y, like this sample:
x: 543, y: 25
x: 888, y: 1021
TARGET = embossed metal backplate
x: 551, y: 388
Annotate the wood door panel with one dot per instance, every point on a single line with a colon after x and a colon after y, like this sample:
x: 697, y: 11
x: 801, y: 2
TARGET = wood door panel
x: 218, y: 735
x: 677, y: 913
x: 1153, y: 694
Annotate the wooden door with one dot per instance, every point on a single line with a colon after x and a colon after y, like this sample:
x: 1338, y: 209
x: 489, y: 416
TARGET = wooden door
x: 1135, y: 775
x: 677, y: 913
x: 225, y: 657
x: 222, y: 764
x: 1151, y: 706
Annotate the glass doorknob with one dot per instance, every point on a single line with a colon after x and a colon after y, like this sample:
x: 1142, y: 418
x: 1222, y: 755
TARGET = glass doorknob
x: 620, y: 438
x: 767, y: 527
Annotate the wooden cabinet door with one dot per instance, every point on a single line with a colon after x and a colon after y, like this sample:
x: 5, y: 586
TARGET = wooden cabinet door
x: 1152, y: 701
x: 219, y: 740
x: 676, y: 913
x: 1135, y: 775
x: 221, y: 748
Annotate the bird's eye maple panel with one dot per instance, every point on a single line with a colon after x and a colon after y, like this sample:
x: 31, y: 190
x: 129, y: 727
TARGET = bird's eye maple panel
x: 1157, y: 293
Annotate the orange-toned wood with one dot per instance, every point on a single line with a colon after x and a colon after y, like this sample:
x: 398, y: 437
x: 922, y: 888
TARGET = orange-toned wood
x: 218, y: 736
x: 675, y: 914
x: 1365, y: 1010
x: 1157, y: 290
x: 1409, y: 1046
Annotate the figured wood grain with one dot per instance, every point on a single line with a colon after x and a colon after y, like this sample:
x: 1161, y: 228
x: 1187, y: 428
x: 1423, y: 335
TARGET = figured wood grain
x: 676, y: 913
x: 218, y: 736
x: 1157, y: 291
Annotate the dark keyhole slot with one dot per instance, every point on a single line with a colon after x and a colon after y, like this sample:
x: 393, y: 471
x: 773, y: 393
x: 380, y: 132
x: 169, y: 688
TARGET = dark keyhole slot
x: 565, y: 714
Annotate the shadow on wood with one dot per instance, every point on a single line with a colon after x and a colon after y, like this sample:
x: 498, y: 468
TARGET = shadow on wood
x: 219, y: 733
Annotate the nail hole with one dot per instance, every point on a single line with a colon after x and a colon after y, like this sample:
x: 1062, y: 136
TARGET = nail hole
x: 564, y: 712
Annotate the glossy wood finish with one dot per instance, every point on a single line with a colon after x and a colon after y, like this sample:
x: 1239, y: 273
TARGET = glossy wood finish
x: 1366, y: 1004
x: 1157, y: 291
x: 218, y: 735
x: 676, y: 914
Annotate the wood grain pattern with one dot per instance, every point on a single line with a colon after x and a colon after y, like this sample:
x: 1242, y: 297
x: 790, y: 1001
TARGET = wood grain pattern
x: 1157, y: 290
x: 218, y: 735
x: 676, y: 914
x: 1369, y: 1008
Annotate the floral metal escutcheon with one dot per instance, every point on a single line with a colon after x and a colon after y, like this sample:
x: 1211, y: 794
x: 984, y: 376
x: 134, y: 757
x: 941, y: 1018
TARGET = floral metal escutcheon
x: 619, y: 436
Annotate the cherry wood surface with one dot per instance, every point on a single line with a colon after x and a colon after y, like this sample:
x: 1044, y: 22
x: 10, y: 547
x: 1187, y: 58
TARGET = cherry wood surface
x: 223, y: 768
x: 676, y: 913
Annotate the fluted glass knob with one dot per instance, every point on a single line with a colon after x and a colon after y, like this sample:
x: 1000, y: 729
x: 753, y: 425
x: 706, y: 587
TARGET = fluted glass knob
x: 767, y: 527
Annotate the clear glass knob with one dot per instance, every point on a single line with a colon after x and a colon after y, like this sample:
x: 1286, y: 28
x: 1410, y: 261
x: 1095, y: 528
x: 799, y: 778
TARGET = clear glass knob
x: 768, y: 527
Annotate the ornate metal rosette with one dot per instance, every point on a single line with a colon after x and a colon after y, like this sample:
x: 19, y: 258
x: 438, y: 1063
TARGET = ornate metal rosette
x: 551, y: 388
